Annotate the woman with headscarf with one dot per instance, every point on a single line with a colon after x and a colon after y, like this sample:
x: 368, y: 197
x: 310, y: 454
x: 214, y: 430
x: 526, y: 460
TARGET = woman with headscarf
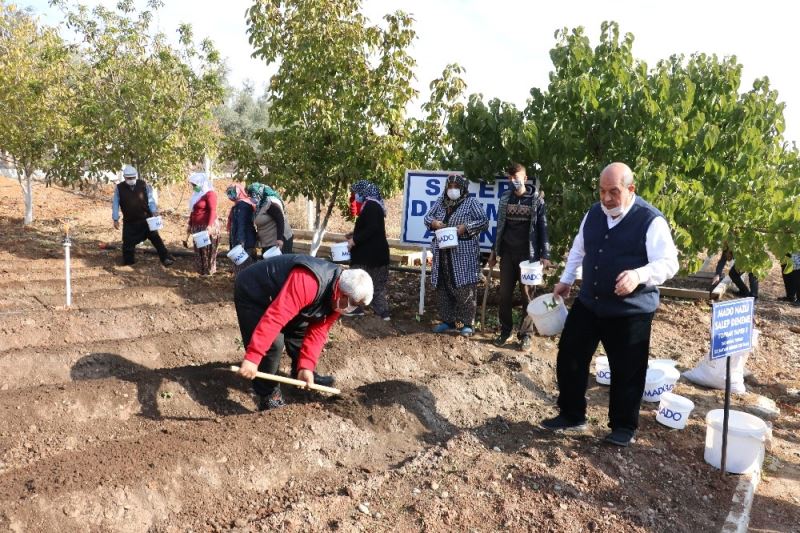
x: 240, y: 224
x: 369, y: 249
x: 203, y: 217
x: 454, y: 273
x: 270, y: 219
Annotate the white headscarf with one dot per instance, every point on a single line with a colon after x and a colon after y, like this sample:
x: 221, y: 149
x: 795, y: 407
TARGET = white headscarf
x: 200, y: 179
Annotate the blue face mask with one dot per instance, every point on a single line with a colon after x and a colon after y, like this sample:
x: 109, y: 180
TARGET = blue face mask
x: 359, y: 198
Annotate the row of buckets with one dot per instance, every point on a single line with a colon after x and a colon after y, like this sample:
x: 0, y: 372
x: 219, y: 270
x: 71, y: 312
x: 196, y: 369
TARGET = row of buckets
x: 747, y: 434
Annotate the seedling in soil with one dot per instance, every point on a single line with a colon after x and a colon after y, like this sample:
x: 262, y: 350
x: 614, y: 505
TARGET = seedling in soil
x: 167, y: 395
x: 551, y: 305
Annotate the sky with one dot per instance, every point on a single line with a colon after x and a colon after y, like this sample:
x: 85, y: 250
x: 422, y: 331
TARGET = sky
x: 504, y: 45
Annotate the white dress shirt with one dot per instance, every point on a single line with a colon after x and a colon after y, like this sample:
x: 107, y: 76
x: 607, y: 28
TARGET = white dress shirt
x: 661, y: 252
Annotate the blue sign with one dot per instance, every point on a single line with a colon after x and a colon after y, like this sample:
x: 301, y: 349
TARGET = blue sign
x: 422, y: 188
x: 731, y: 327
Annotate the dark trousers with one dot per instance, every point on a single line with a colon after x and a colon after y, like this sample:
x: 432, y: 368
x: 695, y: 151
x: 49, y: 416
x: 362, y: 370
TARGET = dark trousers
x: 627, y: 343
x: 509, y: 279
x: 791, y: 282
x: 135, y: 232
x: 249, y: 313
x: 736, y: 278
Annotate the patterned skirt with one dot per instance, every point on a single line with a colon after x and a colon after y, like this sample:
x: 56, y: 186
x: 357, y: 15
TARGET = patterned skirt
x: 205, y: 258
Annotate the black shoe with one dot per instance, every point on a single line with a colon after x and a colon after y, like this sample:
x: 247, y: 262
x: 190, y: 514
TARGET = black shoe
x: 620, y: 437
x: 795, y: 303
x: 273, y: 401
x: 501, y: 339
x: 355, y: 312
x: 562, y: 423
x: 325, y: 381
x: 168, y: 261
x: 786, y: 299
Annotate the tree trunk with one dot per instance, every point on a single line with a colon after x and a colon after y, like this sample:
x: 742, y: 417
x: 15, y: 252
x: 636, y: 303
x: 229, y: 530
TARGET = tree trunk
x: 309, y: 214
x: 319, y: 230
x: 26, y: 182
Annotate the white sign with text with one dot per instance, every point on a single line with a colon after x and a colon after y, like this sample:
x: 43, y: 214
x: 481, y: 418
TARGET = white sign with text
x: 422, y: 188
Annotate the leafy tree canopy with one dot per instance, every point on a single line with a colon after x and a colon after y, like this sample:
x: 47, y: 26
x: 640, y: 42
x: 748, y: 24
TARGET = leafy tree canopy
x: 142, y: 100
x: 37, y: 90
x: 710, y: 155
x: 338, y: 98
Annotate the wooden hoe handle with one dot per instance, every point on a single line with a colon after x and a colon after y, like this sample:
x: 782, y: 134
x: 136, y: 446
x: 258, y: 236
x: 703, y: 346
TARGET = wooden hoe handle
x: 295, y: 382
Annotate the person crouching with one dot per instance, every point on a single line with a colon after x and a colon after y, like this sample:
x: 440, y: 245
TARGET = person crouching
x: 292, y: 301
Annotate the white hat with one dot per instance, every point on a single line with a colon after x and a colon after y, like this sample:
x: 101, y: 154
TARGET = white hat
x: 129, y: 172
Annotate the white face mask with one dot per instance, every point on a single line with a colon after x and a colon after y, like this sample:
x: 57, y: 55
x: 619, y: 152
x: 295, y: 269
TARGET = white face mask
x: 453, y: 194
x: 130, y: 181
x: 349, y: 309
x: 614, y: 212
x: 517, y: 184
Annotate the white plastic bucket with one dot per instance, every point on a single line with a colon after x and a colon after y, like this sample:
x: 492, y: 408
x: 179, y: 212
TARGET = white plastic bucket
x: 531, y: 273
x: 339, y: 252
x: 746, y: 436
x: 662, y: 363
x: 155, y: 223
x: 602, y: 370
x: 654, y: 385
x: 238, y: 254
x: 671, y: 374
x: 446, y: 237
x: 674, y: 410
x: 201, y: 239
x: 272, y: 251
x: 548, y: 319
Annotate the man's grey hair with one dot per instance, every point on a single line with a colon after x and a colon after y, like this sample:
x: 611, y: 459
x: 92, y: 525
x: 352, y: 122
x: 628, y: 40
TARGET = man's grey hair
x: 627, y: 173
x: 357, y: 285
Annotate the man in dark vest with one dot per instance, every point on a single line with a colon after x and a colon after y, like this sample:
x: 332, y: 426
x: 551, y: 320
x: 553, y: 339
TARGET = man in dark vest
x: 135, y: 198
x: 292, y: 301
x: 625, y: 247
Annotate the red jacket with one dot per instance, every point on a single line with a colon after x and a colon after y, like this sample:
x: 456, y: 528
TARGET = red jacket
x: 298, y: 292
x: 204, y: 212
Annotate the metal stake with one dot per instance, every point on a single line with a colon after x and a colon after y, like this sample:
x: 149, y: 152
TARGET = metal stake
x: 726, y: 413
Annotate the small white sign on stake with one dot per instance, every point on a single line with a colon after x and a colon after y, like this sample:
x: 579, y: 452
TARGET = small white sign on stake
x: 731, y: 327
x: 731, y: 333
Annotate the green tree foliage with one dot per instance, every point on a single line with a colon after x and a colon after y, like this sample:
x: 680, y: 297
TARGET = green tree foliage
x: 338, y: 98
x: 142, y: 100
x: 430, y: 144
x: 712, y: 158
x: 36, y: 94
x: 240, y: 119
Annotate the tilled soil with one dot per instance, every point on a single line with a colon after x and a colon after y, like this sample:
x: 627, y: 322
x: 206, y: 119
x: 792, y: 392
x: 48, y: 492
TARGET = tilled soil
x: 119, y: 414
